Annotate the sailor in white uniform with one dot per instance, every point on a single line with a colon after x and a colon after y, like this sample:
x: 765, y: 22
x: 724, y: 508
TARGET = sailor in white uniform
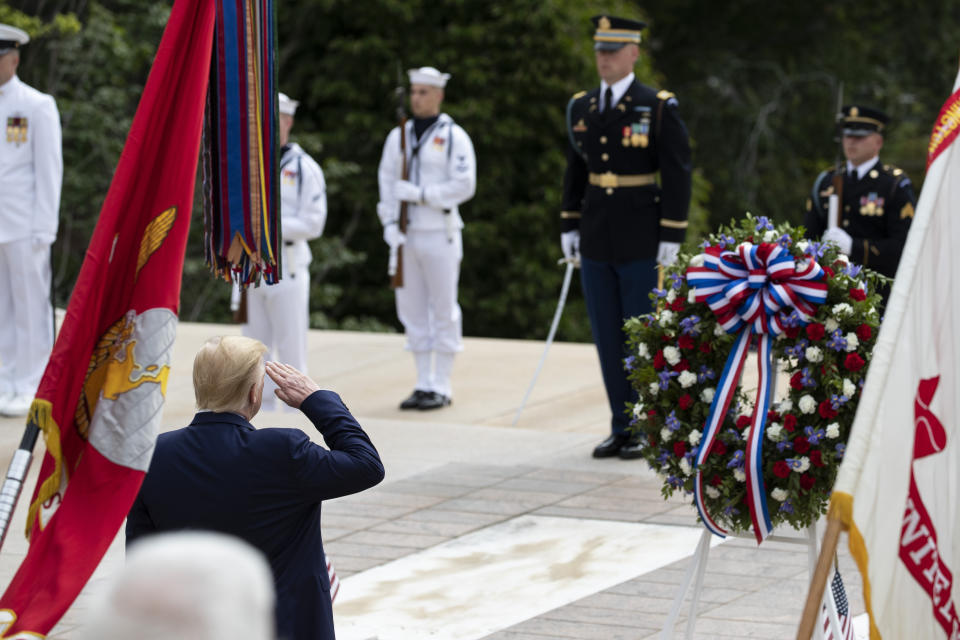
x: 442, y: 175
x: 278, y: 315
x: 31, y: 174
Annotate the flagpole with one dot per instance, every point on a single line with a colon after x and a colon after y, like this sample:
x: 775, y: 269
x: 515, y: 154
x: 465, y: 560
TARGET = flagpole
x: 819, y: 581
x: 16, y: 475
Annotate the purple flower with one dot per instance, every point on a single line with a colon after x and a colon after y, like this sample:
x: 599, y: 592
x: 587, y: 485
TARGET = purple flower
x: 763, y: 223
x: 853, y: 270
x: 629, y: 362
x: 784, y: 445
x: 816, y: 249
x: 794, y: 463
x: 731, y: 510
x: 663, y: 457
x: 790, y: 320
x: 660, y: 293
x: 785, y: 241
x: 841, y: 449
x: 676, y: 280
x: 838, y: 401
x: 736, y: 462
x: 705, y: 244
x: 786, y: 506
x: 674, y: 482
x: 688, y: 326
x: 728, y: 240
x: 798, y: 349
x: 734, y: 434
x: 837, y: 341
x: 814, y: 436
x: 665, y: 378
x: 705, y: 374
x: 806, y: 379
x: 672, y: 422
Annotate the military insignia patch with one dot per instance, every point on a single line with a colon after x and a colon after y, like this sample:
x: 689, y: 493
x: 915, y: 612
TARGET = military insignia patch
x: 907, y: 211
x: 289, y: 176
x: 626, y: 136
x: 438, y: 142
x: 580, y: 126
x: 17, y: 130
x: 871, y: 205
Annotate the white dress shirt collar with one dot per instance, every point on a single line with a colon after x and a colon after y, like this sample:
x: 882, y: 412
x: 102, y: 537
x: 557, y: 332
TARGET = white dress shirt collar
x: 618, y: 88
x: 862, y: 169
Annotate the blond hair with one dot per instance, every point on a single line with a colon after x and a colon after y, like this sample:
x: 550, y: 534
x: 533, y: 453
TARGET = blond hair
x: 224, y: 370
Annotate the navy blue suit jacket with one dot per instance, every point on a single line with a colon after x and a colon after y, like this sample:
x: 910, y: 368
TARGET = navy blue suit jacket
x: 264, y: 486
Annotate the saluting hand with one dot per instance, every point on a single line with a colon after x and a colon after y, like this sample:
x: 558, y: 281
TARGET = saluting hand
x: 293, y: 387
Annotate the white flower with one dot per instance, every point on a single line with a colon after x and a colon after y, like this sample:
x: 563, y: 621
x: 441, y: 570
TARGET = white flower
x: 852, y: 342
x: 745, y: 434
x: 849, y: 389
x: 666, y: 434
x: 739, y: 475
x: 841, y: 310
x: 770, y: 235
x: 671, y: 296
x: 643, y: 350
x: 713, y: 492
x: 802, y: 245
x: 687, y: 379
x: 774, y: 431
x: 808, y: 404
x: 804, y: 464
x: 707, y: 394
x: 654, y: 388
x: 666, y: 317
x: 638, y: 410
x: 779, y: 494
x: 694, y: 437
x: 671, y: 354
x: 697, y: 260
x: 692, y: 295
x: 843, y: 258
x: 814, y: 354
x: 786, y: 405
x: 831, y: 325
x: 685, y: 467
x: 718, y: 330
x: 833, y: 430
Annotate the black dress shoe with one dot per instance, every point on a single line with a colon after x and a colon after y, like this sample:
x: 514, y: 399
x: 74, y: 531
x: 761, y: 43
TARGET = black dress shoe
x: 611, y: 446
x: 413, y: 402
x: 433, y: 400
x: 631, y: 449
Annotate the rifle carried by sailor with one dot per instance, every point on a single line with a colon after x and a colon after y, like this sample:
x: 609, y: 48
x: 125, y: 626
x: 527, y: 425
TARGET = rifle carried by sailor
x: 395, y: 264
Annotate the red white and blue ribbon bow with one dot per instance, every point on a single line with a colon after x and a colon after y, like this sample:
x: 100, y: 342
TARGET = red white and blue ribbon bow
x: 749, y: 291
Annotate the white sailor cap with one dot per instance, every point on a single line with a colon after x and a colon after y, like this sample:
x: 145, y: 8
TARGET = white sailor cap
x: 428, y: 76
x: 12, y: 38
x: 287, y: 106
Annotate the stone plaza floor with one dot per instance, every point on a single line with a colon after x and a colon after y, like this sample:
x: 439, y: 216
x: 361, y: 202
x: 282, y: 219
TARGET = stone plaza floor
x: 483, y: 529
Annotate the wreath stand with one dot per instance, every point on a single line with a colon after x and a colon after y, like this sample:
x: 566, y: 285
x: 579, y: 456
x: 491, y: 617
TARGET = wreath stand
x: 698, y: 567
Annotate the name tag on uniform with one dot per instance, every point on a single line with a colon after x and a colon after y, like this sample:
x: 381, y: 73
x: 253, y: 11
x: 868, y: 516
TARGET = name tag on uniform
x: 17, y: 130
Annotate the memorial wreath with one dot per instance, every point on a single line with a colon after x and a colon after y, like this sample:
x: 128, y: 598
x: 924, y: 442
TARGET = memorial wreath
x: 749, y: 459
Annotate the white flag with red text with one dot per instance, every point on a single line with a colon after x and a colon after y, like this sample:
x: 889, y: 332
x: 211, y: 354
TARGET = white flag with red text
x: 898, y: 489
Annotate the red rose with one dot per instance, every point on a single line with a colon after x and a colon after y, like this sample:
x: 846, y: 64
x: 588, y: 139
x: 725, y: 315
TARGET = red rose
x: 743, y: 422
x: 828, y: 271
x: 683, y: 365
x: 807, y: 481
x: 677, y: 305
x: 705, y: 347
x: 685, y: 401
x: 816, y: 458
x: 679, y: 448
x: 800, y: 445
x: 815, y: 331
x: 685, y: 342
x: 716, y: 480
x: 792, y: 332
x: 718, y: 447
x: 772, y: 416
x: 864, y: 332
x: 853, y: 362
x: 651, y: 414
x: 796, y: 380
x: 789, y: 422
x: 858, y: 294
x: 658, y: 360
x: 826, y: 410
x: 781, y: 469
x: 665, y: 338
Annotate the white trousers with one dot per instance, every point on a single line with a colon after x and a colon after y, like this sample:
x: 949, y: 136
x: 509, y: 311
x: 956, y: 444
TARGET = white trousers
x: 278, y: 316
x: 26, y: 339
x: 427, y: 302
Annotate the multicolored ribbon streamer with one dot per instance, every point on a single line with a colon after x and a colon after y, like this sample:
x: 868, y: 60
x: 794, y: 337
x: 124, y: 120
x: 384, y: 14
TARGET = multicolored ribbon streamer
x: 240, y: 175
x: 749, y: 290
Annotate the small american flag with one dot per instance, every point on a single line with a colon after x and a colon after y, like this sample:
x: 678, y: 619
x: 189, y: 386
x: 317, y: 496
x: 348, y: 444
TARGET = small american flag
x: 843, y: 612
x: 335, y: 581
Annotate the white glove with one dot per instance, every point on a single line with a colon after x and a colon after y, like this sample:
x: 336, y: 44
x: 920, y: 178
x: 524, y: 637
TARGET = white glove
x: 840, y: 238
x: 667, y: 253
x: 570, y: 244
x: 392, y: 235
x: 406, y: 191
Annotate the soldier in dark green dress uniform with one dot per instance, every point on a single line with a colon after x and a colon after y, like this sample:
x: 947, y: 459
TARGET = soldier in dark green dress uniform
x: 617, y: 217
x: 877, y: 199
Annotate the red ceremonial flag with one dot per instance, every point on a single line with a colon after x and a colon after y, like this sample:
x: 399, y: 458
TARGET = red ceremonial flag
x: 100, y: 399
